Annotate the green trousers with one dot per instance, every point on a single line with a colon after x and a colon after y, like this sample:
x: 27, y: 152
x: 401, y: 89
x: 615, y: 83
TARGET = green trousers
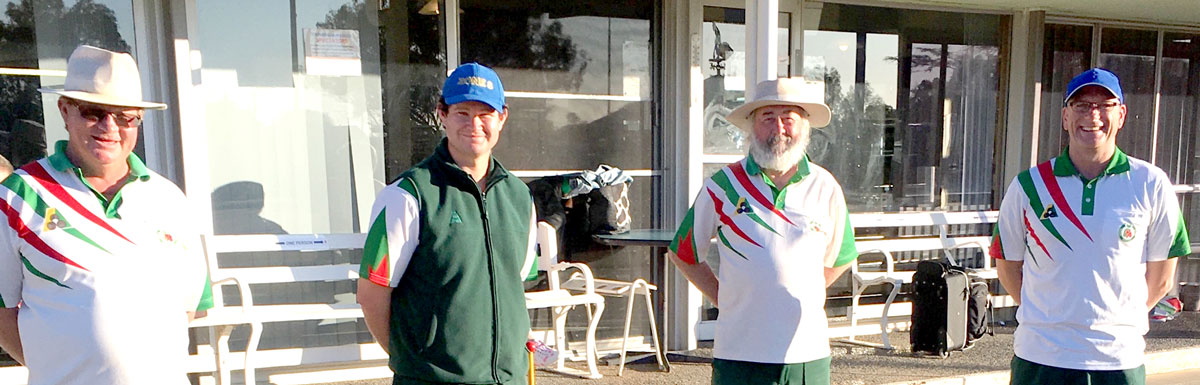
x: 728, y: 372
x: 397, y: 380
x: 1031, y: 373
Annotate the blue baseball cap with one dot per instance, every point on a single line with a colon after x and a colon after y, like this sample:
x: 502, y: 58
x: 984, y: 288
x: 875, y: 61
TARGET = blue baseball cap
x: 1095, y: 77
x: 474, y: 82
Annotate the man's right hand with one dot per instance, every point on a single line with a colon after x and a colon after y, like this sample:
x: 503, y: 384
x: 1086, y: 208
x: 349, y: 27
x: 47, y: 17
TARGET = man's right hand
x: 700, y: 275
x: 10, y: 336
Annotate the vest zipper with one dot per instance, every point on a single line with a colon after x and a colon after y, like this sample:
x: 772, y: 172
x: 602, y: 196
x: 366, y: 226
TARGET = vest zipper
x: 487, y: 238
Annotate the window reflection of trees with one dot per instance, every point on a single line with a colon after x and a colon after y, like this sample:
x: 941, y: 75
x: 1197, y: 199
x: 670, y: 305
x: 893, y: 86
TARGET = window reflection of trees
x: 22, y: 131
x: 413, y: 64
x: 879, y: 162
x: 852, y: 147
x: 589, y: 49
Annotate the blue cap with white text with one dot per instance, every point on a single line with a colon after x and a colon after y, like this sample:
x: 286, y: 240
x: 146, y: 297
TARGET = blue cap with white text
x: 474, y: 82
x: 1095, y: 77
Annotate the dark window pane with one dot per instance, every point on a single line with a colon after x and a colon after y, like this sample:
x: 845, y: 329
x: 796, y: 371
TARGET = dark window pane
x: 1067, y: 51
x: 1130, y: 54
x: 578, y: 87
x: 577, y: 78
x: 36, y: 37
x: 914, y: 98
x: 1177, y: 119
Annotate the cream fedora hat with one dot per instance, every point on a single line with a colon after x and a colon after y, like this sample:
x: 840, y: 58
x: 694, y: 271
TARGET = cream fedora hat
x: 796, y: 91
x: 105, y: 77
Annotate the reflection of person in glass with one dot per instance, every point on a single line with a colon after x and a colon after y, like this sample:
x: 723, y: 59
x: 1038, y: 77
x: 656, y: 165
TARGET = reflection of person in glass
x: 99, y: 265
x: 1086, y: 244
x: 450, y: 243
x: 783, y: 236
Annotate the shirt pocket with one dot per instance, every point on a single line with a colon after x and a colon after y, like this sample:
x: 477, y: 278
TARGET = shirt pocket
x: 815, y: 230
x: 1124, y: 230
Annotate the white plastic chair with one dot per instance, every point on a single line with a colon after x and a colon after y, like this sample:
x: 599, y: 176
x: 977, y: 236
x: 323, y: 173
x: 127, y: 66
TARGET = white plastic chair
x: 559, y: 300
x: 630, y: 291
x: 861, y: 280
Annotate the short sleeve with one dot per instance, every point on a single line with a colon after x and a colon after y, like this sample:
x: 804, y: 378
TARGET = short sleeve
x: 1008, y: 237
x: 393, y: 234
x: 529, y: 269
x: 206, y: 296
x: 691, y: 240
x: 11, y: 272
x: 1167, y: 236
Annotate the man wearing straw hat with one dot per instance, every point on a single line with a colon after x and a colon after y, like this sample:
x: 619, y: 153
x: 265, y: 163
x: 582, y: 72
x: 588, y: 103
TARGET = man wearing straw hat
x: 783, y: 236
x: 100, y: 268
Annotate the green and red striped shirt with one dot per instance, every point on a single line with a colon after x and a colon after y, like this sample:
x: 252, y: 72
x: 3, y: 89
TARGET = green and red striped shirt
x: 1085, y: 244
x: 103, y: 284
x: 773, y: 243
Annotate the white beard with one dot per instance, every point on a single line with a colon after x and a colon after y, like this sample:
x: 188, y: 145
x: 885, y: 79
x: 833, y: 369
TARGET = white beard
x: 778, y: 153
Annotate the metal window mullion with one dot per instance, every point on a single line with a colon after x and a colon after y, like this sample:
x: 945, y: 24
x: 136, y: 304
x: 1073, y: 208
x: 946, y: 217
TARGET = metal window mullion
x: 453, y: 43
x: 158, y: 131
x: 189, y: 108
x: 1154, y: 119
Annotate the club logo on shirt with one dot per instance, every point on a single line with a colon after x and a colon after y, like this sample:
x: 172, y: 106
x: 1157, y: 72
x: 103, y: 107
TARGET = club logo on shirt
x: 816, y: 227
x: 54, y: 220
x: 454, y: 218
x: 1127, y: 232
x: 1049, y: 212
x: 167, y: 238
x: 743, y: 207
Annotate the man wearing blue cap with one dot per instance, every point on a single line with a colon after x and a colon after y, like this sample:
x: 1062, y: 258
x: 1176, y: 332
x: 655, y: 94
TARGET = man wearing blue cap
x: 1086, y: 244
x: 450, y: 243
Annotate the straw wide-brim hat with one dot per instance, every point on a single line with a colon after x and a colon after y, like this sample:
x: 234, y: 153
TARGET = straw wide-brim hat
x: 796, y: 91
x: 105, y: 77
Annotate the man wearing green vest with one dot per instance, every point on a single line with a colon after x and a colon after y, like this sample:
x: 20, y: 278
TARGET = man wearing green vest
x: 449, y: 245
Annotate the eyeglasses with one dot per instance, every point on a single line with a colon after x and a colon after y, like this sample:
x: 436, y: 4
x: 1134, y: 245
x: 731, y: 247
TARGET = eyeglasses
x: 94, y: 114
x: 1083, y: 107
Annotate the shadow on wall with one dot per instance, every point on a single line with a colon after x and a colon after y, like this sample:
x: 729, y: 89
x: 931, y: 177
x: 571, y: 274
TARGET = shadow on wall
x: 236, y: 209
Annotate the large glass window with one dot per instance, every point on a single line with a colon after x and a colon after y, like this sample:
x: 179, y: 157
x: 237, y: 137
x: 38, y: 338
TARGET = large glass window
x: 1177, y: 151
x: 724, y: 30
x: 1130, y: 54
x: 1066, y: 52
x: 36, y: 37
x: 1178, y: 143
x: 292, y: 95
x: 914, y: 97
x: 577, y: 77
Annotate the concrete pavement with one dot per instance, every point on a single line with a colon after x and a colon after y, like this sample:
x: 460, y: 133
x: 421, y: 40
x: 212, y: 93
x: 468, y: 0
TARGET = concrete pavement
x: 1173, y: 355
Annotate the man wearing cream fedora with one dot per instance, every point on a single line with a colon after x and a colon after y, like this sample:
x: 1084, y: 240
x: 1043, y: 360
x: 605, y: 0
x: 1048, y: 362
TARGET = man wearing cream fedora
x: 100, y: 266
x: 783, y: 236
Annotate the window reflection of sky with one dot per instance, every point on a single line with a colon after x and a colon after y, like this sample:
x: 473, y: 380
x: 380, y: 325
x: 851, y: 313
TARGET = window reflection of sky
x: 837, y: 49
x: 253, y: 39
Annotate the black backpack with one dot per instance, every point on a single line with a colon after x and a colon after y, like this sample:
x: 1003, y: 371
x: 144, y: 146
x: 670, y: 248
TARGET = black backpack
x: 979, y: 310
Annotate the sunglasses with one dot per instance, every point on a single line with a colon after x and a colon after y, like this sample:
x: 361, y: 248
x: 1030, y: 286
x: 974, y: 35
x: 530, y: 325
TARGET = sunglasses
x: 94, y: 114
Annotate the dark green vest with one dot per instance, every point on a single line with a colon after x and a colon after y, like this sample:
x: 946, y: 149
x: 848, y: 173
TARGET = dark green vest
x: 458, y: 313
